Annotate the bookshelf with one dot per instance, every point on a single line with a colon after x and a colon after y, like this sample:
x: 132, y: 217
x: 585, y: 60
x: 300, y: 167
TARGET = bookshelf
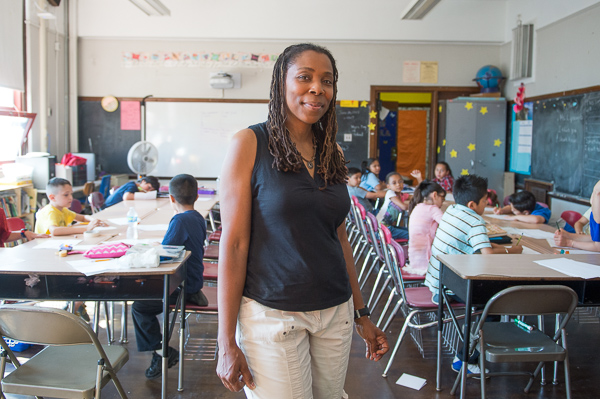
x: 19, y: 201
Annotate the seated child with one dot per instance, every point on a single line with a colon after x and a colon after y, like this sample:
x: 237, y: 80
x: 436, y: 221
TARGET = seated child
x: 370, y: 172
x: 462, y: 231
x: 8, y: 236
x: 360, y: 193
x: 587, y: 242
x: 523, y: 208
x: 126, y: 191
x: 493, y: 198
x: 393, y: 206
x: 56, y: 217
x: 425, y: 215
x: 582, y: 226
x: 187, y: 228
x: 443, y: 176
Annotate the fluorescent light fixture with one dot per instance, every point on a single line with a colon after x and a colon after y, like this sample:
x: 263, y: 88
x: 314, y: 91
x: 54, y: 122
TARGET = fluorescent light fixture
x: 152, y: 7
x: 417, y: 9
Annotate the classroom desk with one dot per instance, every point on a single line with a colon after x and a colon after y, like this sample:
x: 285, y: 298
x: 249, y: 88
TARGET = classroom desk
x: 476, y: 278
x: 60, y: 281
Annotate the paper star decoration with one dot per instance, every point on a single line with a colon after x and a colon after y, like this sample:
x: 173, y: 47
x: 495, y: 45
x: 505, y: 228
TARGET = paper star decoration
x: 373, y: 114
x: 444, y: 142
x: 464, y: 172
x: 438, y: 150
x: 471, y: 147
x: 483, y: 110
x: 497, y: 143
x: 371, y: 126
x: 364, y: 104
x: 469, y: 105
x: 453, y: 154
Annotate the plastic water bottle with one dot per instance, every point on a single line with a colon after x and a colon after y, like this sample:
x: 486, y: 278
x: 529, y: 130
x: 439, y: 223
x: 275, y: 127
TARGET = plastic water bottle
x: 132, y: 221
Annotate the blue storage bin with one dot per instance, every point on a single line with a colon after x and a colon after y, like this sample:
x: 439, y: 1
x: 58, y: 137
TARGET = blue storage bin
x: 16, y: 346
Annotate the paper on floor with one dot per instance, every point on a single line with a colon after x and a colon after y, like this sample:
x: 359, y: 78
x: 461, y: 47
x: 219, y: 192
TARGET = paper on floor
x: 411, y: 381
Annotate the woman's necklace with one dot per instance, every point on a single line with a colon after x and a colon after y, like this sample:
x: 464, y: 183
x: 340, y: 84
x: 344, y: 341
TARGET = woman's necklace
x: 310, y: 163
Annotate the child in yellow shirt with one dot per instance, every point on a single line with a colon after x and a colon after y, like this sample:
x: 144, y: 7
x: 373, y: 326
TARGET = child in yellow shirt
x: 56, y: 217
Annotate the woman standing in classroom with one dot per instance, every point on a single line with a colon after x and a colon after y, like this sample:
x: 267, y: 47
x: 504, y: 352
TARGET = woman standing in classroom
x: 287, y: 279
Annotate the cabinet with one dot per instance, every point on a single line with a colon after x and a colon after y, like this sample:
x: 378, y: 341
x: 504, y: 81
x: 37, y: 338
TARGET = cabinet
x: 472, y: 138
x: 19, y: 201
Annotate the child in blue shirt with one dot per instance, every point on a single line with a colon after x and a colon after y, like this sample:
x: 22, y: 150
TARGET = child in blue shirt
x: 370, y: 172
x: 524, y: 208
x: 128, y: 190
x: 583, y: 241
x: 187, y: 228
x: 360, y: 193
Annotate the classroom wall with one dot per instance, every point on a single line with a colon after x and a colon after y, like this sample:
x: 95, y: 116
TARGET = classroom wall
x: 102, y: 70
x: 567, y: 55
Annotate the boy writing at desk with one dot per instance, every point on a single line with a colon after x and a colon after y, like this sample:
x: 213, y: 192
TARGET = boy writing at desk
x: 56, y: 217
x: 462, y: 231
x: 187, y: 228
x: 587, y: 242
x: 525, y: 209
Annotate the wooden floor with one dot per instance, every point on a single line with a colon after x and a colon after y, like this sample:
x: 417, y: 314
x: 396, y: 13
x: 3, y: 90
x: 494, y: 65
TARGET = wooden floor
x: 364, y: 380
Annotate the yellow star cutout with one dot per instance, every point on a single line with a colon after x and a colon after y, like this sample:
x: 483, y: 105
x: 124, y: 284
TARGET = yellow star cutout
x: 469, y: 105
x: 373, y: 114
x: 440, y: 109
x: 465, y: 172
x: 453, y: 154
x: 364, y: 103
x: 483, y: 110
x: 371, y: 126
x: 497, y: 143
x: 438, y: 150
x: 444, y: 142
x: 471, y: 147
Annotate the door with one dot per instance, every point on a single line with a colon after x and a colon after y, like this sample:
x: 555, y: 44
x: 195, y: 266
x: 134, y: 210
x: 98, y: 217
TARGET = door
x: 411, y: 141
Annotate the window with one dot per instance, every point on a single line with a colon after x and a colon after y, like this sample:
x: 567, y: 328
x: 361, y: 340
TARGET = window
x: 14, y: 128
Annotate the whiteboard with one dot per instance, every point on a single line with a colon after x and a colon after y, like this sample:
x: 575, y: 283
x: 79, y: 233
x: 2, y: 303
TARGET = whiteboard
x: 193, y: 137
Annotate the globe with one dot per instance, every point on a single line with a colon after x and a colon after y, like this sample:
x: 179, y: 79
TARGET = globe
x: 489, y: 78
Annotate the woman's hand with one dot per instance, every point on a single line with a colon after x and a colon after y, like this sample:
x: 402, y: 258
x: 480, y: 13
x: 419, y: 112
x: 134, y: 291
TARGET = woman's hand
x: 233, y: 370
x: 376, y: 340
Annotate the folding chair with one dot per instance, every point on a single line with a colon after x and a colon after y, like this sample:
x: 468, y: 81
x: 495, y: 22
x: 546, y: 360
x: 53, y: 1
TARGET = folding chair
x: 96, y: 200
x: 212, y: 308
x: 74, y: 365
x: 14, y: 224
x: 374, y: 250
x: 105, y: 186
x: 505, y: 342
x: 413, y: 302
x: 76, y: 206
x: 570, y: 217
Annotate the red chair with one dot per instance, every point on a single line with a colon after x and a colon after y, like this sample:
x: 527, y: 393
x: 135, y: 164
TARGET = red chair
x: 211, y: 252
x: 15, y: 224
x: 570, y: 217
x: 76, y: 206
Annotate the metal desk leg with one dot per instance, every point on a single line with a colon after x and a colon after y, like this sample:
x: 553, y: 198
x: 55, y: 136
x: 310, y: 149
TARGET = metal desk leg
x: 124, y: 311
x: 182, y: 327
x: 165, y: 343
x: 438, y: 371
x: 467, y: 339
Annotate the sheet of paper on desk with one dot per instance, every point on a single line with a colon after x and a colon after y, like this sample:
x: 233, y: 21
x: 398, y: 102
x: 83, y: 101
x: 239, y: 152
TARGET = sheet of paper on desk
x: 89, y: 267
x: 104, y: 228
x: 145, y: 196
x: 571, y: 267
x: 494, y: 216
x: 7, y: 263
x: 411, y: 381
x: 153, y: 227
x: 55, y: 244
x: 119, y: 221
x: 536, y: 233
x: 148, y: 241
x: 529, y: 251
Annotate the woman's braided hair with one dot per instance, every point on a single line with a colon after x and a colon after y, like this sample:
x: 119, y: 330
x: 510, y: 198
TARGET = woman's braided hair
x: 287, y: 158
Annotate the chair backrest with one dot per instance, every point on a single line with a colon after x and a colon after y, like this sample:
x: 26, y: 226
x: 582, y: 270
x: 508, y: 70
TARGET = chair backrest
x: 571, y: 217
x: 44, y: 326
x: 105, y: 186
x: 528, y: 300
x: 542, y: 204
x: 96, y: 200
x: 395, y: 260
x: 373, y: 229
x: 88, y: 188
x: 76, y: 206
x: 399, y: 251
x: 15, y: 224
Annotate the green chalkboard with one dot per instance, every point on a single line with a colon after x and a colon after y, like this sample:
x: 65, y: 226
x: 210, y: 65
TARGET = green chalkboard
x: 566, y: 142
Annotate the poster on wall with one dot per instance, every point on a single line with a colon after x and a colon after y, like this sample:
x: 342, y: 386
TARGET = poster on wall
x: 521, y: 139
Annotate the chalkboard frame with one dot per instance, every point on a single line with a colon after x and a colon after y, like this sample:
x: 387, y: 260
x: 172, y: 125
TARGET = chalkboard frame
x: 557, y: 95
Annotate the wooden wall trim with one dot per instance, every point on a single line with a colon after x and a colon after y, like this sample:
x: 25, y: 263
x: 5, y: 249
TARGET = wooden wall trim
x: 181, y: 100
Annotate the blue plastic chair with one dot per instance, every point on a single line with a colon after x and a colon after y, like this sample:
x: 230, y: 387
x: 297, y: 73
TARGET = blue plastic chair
x: 104, y: 185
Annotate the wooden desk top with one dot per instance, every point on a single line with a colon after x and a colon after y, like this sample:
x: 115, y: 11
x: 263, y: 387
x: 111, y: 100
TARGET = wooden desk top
x: 510, y: 267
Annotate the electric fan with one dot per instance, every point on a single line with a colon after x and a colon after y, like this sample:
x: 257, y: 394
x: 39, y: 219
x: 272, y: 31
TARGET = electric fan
x: 142, y: 158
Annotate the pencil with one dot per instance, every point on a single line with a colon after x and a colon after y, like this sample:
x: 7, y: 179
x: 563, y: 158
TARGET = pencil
x: 519, y: 240
x: 557, y: 226
x: 102, y: 260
